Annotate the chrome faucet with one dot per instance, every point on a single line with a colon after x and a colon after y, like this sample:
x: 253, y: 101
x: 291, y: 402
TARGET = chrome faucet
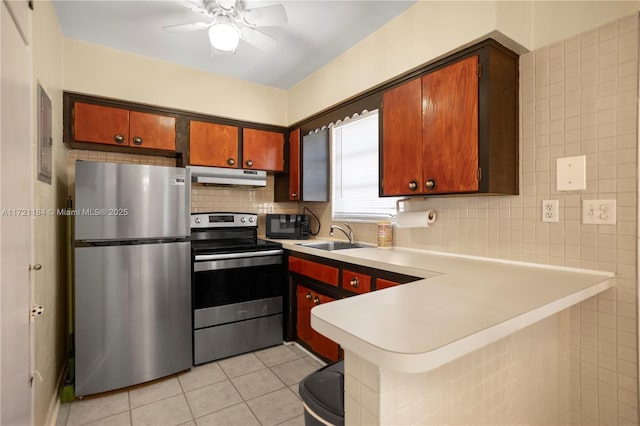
x: 349, y: 235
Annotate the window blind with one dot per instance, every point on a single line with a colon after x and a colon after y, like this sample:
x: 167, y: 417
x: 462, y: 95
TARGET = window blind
x: 355, y: 171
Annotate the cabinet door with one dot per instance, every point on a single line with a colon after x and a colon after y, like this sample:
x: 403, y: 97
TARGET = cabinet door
x: 262, y: 150
x: 294, y: 165
x: 100, y: 124
x: 450, y: 128
x: 307, y: 299
x: 321, y: 344
x: 152, y: 131
x: 213, y: 144
x: 402, y: 139
x: 304, y: 299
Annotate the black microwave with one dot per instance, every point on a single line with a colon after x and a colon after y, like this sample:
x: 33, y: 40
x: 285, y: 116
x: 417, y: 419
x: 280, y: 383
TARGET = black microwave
x: 288, y: 226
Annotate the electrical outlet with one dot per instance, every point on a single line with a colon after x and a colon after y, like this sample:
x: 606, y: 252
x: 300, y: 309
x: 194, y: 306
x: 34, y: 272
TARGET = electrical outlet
x: 599, y: 212
x: 550, y: 211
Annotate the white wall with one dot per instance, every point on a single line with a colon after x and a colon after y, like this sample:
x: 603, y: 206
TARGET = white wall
x: 97, y: 70
x: 557, y: 20
x: 50, y: 283
x: 432, y: 29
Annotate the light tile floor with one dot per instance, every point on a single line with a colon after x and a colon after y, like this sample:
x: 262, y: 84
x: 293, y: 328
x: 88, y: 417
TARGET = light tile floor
x: 258, y: 388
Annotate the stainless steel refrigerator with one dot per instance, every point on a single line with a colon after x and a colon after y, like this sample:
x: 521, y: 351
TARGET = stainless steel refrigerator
x: 132, y: 274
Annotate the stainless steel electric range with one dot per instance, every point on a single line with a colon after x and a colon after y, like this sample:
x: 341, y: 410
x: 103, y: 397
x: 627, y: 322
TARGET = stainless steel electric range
x: 238, y: 285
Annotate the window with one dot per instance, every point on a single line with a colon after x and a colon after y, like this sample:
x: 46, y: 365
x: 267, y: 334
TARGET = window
x: 354, y: 155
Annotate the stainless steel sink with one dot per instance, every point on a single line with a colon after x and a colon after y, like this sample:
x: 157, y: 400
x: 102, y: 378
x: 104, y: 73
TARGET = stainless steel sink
x: 334, y: 245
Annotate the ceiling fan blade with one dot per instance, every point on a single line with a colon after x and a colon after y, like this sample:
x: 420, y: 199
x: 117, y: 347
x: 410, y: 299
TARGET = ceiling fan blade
x: 257, y: 38
x: 186, y: 27
x: 226, y: 4
x: 195, y: 5
x: 266, y: 16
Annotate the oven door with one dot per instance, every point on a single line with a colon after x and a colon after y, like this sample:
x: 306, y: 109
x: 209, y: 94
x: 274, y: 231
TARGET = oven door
x: 237, y: 302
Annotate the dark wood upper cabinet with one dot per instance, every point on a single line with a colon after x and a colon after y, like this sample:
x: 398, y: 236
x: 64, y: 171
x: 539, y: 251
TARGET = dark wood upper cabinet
x: 152, y: 130
x: 450, y: 128
x: 294, y: 165
x: 308, y: 177
x: 213, y: 144
x: 453, y: 129
x: 100, y: 124
x: 218, y: 145
x: 114, y: 125
x: 118, y: 126
x: 262, y: 150
x: 402, y: 138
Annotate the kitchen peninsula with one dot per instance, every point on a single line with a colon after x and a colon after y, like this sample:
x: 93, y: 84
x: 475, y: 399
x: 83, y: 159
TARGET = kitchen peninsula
x: 477, y: 341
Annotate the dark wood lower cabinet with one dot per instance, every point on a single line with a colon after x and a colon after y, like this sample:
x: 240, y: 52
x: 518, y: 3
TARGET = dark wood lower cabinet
x: 307, y: 299
x: 315, y: 280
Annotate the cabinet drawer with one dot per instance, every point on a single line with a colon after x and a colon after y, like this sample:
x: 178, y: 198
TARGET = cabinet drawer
x: 356, y: 282
x: 317, y: 271
x: 382, y: 283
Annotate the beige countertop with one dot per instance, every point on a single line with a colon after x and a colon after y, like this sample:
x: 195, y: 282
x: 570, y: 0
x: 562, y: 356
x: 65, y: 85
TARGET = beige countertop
x: 463, y: 303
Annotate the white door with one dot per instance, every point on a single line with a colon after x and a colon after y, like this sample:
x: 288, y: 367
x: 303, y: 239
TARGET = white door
x: 16, y: 171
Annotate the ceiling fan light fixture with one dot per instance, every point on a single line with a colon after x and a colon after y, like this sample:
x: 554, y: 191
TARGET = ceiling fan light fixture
x: 224, y: 36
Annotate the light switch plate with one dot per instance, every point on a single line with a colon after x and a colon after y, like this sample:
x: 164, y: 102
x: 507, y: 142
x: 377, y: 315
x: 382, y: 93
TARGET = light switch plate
x: 599, y: 212
x: 571, y: 173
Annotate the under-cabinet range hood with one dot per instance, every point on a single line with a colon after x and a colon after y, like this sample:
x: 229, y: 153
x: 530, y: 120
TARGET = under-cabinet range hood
x: 224, y: 176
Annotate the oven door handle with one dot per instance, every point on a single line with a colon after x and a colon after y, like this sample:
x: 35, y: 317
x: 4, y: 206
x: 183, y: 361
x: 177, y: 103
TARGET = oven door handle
x: 223, y: 256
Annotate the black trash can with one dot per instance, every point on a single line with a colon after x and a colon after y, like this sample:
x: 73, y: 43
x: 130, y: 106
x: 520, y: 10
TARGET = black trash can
x: 323, y: 395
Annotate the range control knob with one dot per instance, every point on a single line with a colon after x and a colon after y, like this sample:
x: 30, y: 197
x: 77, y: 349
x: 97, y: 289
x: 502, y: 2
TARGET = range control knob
x: 197, y: 220
x: 243, y: 219
x: 251, y: 219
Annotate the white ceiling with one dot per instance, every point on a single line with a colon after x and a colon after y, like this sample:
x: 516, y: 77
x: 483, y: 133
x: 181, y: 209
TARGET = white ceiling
x: 317, y: 31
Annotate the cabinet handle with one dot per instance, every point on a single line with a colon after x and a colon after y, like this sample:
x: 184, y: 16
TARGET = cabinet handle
x: 249, y: 163
x: 309, y: 296
x: 118, y: 138
x: 137, y: 140
x: 354, y: 282
x: 231, y: 161
x: 35, y: 267
x: 430, y: 184
x: 294, y: 195
x: 413, y: 185
x: 316, y: 300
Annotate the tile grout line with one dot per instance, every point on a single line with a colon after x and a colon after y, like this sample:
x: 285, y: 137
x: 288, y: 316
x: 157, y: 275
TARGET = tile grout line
x: 297, y: 356
x: 184, y: 395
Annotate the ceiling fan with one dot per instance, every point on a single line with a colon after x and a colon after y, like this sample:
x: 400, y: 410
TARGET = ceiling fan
x: 229, y: 22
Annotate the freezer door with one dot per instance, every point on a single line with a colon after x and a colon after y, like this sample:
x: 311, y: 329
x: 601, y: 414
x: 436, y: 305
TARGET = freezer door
x: 132, y: 314
x: 131, y: 201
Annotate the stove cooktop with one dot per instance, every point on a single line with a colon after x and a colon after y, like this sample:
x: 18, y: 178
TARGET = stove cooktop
x: 224, y: 232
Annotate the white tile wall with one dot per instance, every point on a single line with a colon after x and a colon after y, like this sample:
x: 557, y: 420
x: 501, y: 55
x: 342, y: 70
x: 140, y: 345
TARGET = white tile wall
x: 521, y: 379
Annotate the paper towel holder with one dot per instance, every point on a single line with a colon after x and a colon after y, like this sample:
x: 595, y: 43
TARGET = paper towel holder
x: 431, y: 215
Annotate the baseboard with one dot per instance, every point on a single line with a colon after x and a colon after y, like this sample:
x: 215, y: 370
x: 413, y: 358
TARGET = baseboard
x: 54, y: 404
x: 303, y: 349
